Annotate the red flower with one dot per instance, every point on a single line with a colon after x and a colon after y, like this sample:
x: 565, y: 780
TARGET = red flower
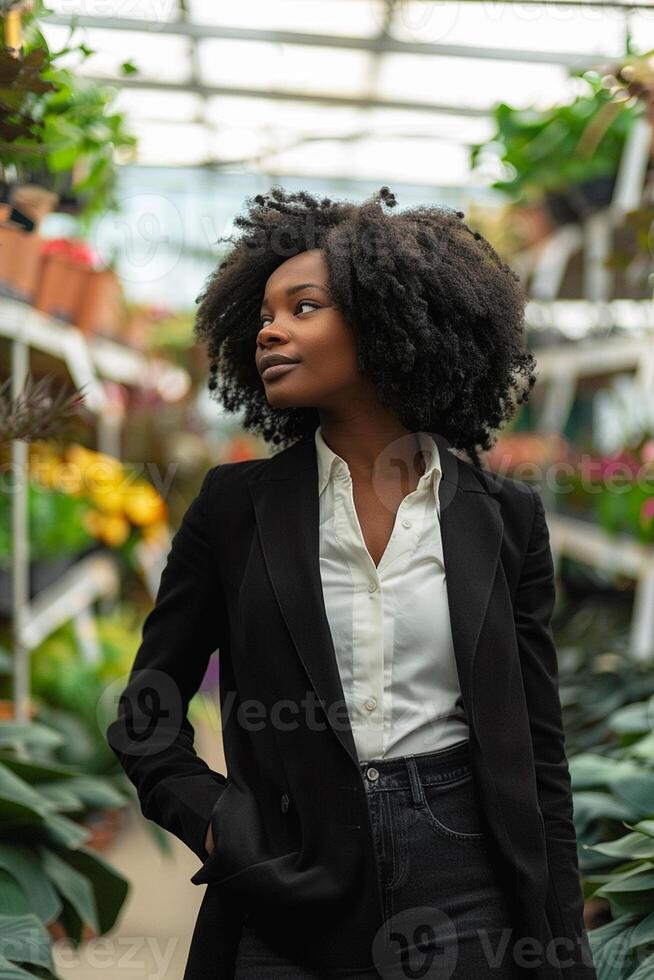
x: 73, y: 249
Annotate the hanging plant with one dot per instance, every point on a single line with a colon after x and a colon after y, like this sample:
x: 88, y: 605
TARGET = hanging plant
x: 59, y: 130
x: 567, y: 155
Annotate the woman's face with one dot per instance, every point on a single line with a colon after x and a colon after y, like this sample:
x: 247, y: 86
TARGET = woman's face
x: 299, y: 321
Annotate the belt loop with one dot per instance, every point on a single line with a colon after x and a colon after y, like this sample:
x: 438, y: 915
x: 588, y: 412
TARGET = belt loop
x: 414, y: 779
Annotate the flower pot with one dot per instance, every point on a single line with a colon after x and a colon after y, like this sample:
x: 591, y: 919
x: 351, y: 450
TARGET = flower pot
x: 579, y: 201
x: 59, y: 932
x: 8, y: 709
x: 105, y: 825
x: 101, y: 309
x: 61, y: 287
x: 20, y: 261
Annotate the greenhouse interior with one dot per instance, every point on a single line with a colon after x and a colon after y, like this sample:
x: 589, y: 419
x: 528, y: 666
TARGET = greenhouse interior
x: 131, y: 134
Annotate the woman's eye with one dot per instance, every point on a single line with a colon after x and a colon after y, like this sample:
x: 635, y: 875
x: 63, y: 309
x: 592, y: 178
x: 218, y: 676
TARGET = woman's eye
x: 307, y: 302
x: 303, y: 302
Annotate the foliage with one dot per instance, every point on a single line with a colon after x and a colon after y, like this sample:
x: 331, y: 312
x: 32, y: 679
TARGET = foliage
x: 617, y: 790
x: 47, y: 875
x: 551, y: 149
x: 607, y: 708
x: 55, y: 523
x: 64, y: 679
x: 619, y: 486
x: 78, y: 498
x: 59, y: 129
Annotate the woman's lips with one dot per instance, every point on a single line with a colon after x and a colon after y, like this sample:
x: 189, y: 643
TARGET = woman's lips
x: 276, y: 370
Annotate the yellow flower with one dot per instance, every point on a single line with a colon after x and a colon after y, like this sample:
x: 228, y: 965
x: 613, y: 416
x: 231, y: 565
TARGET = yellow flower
x: 109, y: 499
x: 114, y: 530
x: 92, y: 521
x: 144, y: 505
x: 98, y: 470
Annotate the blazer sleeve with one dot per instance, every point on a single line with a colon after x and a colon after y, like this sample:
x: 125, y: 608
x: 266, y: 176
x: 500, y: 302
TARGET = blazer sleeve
x: 152, y: 736
x: 534, y: 604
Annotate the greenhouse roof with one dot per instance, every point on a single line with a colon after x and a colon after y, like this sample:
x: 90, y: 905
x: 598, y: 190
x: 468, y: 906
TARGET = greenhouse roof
x: 362, y: 89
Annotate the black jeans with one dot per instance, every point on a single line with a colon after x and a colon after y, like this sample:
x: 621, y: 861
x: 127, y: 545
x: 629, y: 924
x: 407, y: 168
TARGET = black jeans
x: 445, y: 912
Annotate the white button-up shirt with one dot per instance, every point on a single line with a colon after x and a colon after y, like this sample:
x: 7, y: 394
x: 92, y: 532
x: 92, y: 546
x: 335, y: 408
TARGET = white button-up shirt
x: 390, y: 624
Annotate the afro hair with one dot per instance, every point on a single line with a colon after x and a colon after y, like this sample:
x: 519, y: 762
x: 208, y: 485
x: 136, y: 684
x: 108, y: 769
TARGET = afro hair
x: 438, y: 315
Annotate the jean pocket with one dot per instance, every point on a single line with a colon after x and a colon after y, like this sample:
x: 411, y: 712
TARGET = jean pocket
x: 451, y: 808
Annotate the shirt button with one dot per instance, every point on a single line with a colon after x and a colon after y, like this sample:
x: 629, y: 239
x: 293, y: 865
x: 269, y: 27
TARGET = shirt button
x: 406, y: 523
x: 372, y: 773
x: 371, y: 704
x: 372, y: 587
x: 284, y: 803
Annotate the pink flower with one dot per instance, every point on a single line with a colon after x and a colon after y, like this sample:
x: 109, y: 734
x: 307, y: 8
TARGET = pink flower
x: 647, y: 510
x: 647, y: 452
x: 73, y: 249
x: 622, y: 462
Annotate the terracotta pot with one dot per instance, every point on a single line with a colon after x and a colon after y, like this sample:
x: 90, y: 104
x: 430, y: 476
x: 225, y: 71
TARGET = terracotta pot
x: 57, y: 931
x: 105, y: 825
x: 7, y: 709
x: 102, y: 308
x: 20, y: 261
x: 61, y: 287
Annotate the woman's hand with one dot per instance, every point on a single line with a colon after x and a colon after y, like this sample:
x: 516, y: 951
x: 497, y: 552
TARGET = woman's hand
x: 208, y: 840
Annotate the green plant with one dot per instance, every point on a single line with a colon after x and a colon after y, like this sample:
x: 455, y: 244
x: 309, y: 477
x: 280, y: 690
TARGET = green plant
x: 55, y: 521
x: 613, y: 792
x: 551, y: 149
x: 63, y: 679
x: 47, y: 875
x: 58, y: 128
x: 620, y: 487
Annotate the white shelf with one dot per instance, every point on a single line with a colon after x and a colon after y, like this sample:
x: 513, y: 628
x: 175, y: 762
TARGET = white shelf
x: 88, y: 358
x: 616, y: 553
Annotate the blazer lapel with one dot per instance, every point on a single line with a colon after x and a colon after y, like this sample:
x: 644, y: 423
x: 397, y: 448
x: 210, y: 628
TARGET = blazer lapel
x: 286, y: 505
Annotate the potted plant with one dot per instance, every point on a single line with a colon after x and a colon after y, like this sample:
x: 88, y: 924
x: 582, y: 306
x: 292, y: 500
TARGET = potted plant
x: 566, y: 156
x: 52, y: 884
x: 75, y: 286
x: 619, y: 488
x: 59, y: 130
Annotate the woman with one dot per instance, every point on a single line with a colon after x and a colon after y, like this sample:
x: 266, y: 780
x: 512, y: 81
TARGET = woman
x: 398, y: 797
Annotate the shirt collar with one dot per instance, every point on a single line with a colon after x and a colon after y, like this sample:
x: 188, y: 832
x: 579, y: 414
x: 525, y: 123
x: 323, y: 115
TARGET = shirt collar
x: 330, y: 463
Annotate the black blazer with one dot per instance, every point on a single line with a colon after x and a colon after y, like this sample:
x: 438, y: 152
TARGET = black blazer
x: 290, y: 820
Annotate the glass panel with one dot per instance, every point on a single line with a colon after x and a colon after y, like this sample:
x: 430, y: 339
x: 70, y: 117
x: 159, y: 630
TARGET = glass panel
x: 177, y: 106
x: 541, y: 27
x: 426, y: 161
x: 172, y: 144
x: 257, y: 64
x: 354, y: 18
x: 471, y: 82
x: 151, y: 10
x: 159, y: 57
x: 281, y: 114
